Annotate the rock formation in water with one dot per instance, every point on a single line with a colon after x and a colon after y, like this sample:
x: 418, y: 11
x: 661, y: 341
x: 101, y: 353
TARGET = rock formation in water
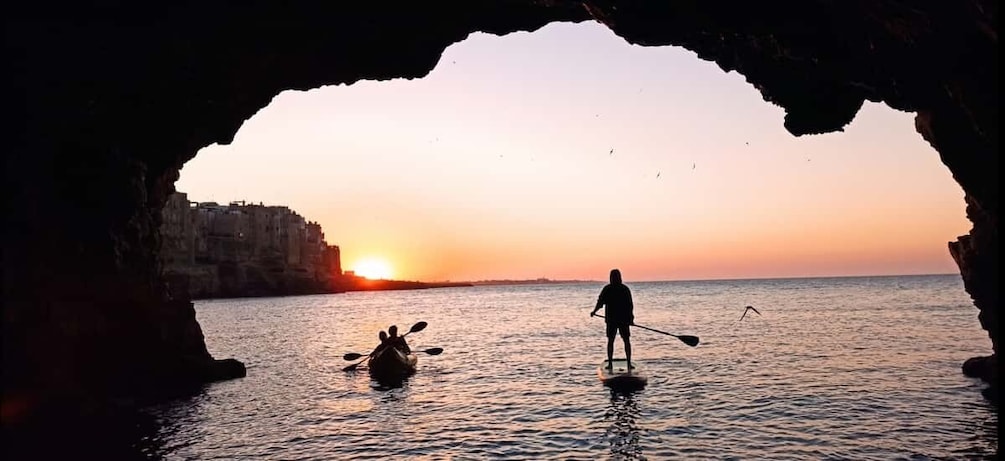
x: 110, y: 99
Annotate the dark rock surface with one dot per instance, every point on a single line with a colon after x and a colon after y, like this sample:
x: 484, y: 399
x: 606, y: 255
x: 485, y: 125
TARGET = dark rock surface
x: 110, y: 99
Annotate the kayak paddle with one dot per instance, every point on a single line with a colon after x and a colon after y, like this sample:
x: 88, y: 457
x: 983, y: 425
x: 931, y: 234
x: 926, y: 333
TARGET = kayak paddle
x: 419, y: 326
x: 430, y: 351
x: 355, y: 365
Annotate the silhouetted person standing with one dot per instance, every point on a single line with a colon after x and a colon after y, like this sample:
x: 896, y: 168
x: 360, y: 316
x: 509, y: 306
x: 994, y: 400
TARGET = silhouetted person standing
x: 619, y: 314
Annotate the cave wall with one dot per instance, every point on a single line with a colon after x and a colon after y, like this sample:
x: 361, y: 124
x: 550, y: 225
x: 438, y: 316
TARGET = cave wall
x: 110, y: 99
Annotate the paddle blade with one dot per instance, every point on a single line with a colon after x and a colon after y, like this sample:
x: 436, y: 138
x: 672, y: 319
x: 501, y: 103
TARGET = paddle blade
x: 352, y: 356
x: 434, y: 351
x: 689, y: 340
x: 419, y: 326
x: 352, y: 367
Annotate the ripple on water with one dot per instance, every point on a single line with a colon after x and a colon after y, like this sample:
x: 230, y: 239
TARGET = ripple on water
x: 826, y: 372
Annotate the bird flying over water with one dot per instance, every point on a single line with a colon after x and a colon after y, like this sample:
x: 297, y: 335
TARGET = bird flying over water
x: 749, y: 308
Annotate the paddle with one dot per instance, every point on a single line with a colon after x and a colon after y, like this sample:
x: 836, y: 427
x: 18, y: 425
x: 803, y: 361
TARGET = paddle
x: 419, y: 326
x: 355, y: 365
x: 430, y: 351
x: 686, y: 339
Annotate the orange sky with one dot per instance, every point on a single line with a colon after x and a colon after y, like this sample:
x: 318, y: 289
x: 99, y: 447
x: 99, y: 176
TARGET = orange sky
x: 498, y: 165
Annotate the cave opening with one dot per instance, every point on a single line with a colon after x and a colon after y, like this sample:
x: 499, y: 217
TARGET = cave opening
x: 111, y: 102
x: 390, y: 163
x: 515, y: 128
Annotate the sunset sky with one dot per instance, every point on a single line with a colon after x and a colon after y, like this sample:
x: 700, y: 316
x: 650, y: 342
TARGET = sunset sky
x: 499, y: 164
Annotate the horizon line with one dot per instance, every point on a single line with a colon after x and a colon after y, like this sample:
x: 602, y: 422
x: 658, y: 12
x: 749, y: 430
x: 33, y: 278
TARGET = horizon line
x: 548, y: 280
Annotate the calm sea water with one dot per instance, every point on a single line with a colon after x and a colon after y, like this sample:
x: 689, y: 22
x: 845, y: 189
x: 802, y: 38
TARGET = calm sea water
x: 835, y: 368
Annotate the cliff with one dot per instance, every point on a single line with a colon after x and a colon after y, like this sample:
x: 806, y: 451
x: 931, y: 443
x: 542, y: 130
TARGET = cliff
x: 239, y: 250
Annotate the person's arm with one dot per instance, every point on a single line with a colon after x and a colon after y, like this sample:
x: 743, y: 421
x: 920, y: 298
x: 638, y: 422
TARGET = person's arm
x: 600, y: 302
x: 631, y: 307
x: 381, y: 346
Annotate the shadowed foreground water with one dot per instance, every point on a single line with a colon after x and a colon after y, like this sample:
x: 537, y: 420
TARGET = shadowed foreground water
x: 836, y: 368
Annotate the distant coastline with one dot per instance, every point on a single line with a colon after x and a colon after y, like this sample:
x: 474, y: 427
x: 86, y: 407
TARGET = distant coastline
x: 241, y: 250
x: 547, y: 281
x: 349, y: 283
x: 355, y: 283
x: 794, y: 277
x: 540, y: 281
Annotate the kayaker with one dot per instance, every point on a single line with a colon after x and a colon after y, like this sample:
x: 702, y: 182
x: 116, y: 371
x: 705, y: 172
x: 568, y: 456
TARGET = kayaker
x: 616, y: 299
x: 383, y: 343
x: 396, y: 341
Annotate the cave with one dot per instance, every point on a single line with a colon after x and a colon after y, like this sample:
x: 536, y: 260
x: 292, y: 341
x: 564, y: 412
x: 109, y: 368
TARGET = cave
x: 110, y: 100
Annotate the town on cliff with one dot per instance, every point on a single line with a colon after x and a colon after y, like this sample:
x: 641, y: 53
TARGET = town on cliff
x: 210, y: 250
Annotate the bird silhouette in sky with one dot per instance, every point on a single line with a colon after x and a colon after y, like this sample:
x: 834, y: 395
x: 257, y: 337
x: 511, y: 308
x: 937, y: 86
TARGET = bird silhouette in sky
x: 611, y: 152
x: 657, y: 174
x: 749, y: 308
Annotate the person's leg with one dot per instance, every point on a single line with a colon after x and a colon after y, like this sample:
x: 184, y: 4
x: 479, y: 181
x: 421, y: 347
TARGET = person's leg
x: 611, y: 331
x: 626, y: 337
x: 610, y: 352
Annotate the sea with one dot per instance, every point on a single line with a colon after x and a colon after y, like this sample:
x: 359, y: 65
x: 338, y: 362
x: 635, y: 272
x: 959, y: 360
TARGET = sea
x: 845, y: 368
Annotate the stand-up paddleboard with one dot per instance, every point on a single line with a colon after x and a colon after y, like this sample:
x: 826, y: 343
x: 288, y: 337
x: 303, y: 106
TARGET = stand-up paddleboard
x: 619, y: 375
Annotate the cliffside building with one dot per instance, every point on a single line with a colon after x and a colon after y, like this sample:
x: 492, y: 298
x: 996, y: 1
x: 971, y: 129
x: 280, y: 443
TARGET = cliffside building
x: 213, y: 250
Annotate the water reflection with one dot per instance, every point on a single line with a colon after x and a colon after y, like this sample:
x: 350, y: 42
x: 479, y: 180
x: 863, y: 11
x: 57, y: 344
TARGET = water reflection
x: 833, y: 373
x: 384, y: 383
x: 623, y: 433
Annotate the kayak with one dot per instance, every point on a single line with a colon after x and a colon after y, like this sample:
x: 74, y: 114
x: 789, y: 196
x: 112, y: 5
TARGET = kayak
x: 392, y: 363
x: 620, y: 376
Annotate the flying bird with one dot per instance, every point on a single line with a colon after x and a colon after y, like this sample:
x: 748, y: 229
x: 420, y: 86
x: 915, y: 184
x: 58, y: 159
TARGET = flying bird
x: 611, y: 152
x: 657, y: 175
x: 749, y: 308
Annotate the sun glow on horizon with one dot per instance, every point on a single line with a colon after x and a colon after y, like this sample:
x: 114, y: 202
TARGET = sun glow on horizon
x: 373, y: 268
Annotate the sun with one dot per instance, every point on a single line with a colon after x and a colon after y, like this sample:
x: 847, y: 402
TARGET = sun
x: 373, y: 268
